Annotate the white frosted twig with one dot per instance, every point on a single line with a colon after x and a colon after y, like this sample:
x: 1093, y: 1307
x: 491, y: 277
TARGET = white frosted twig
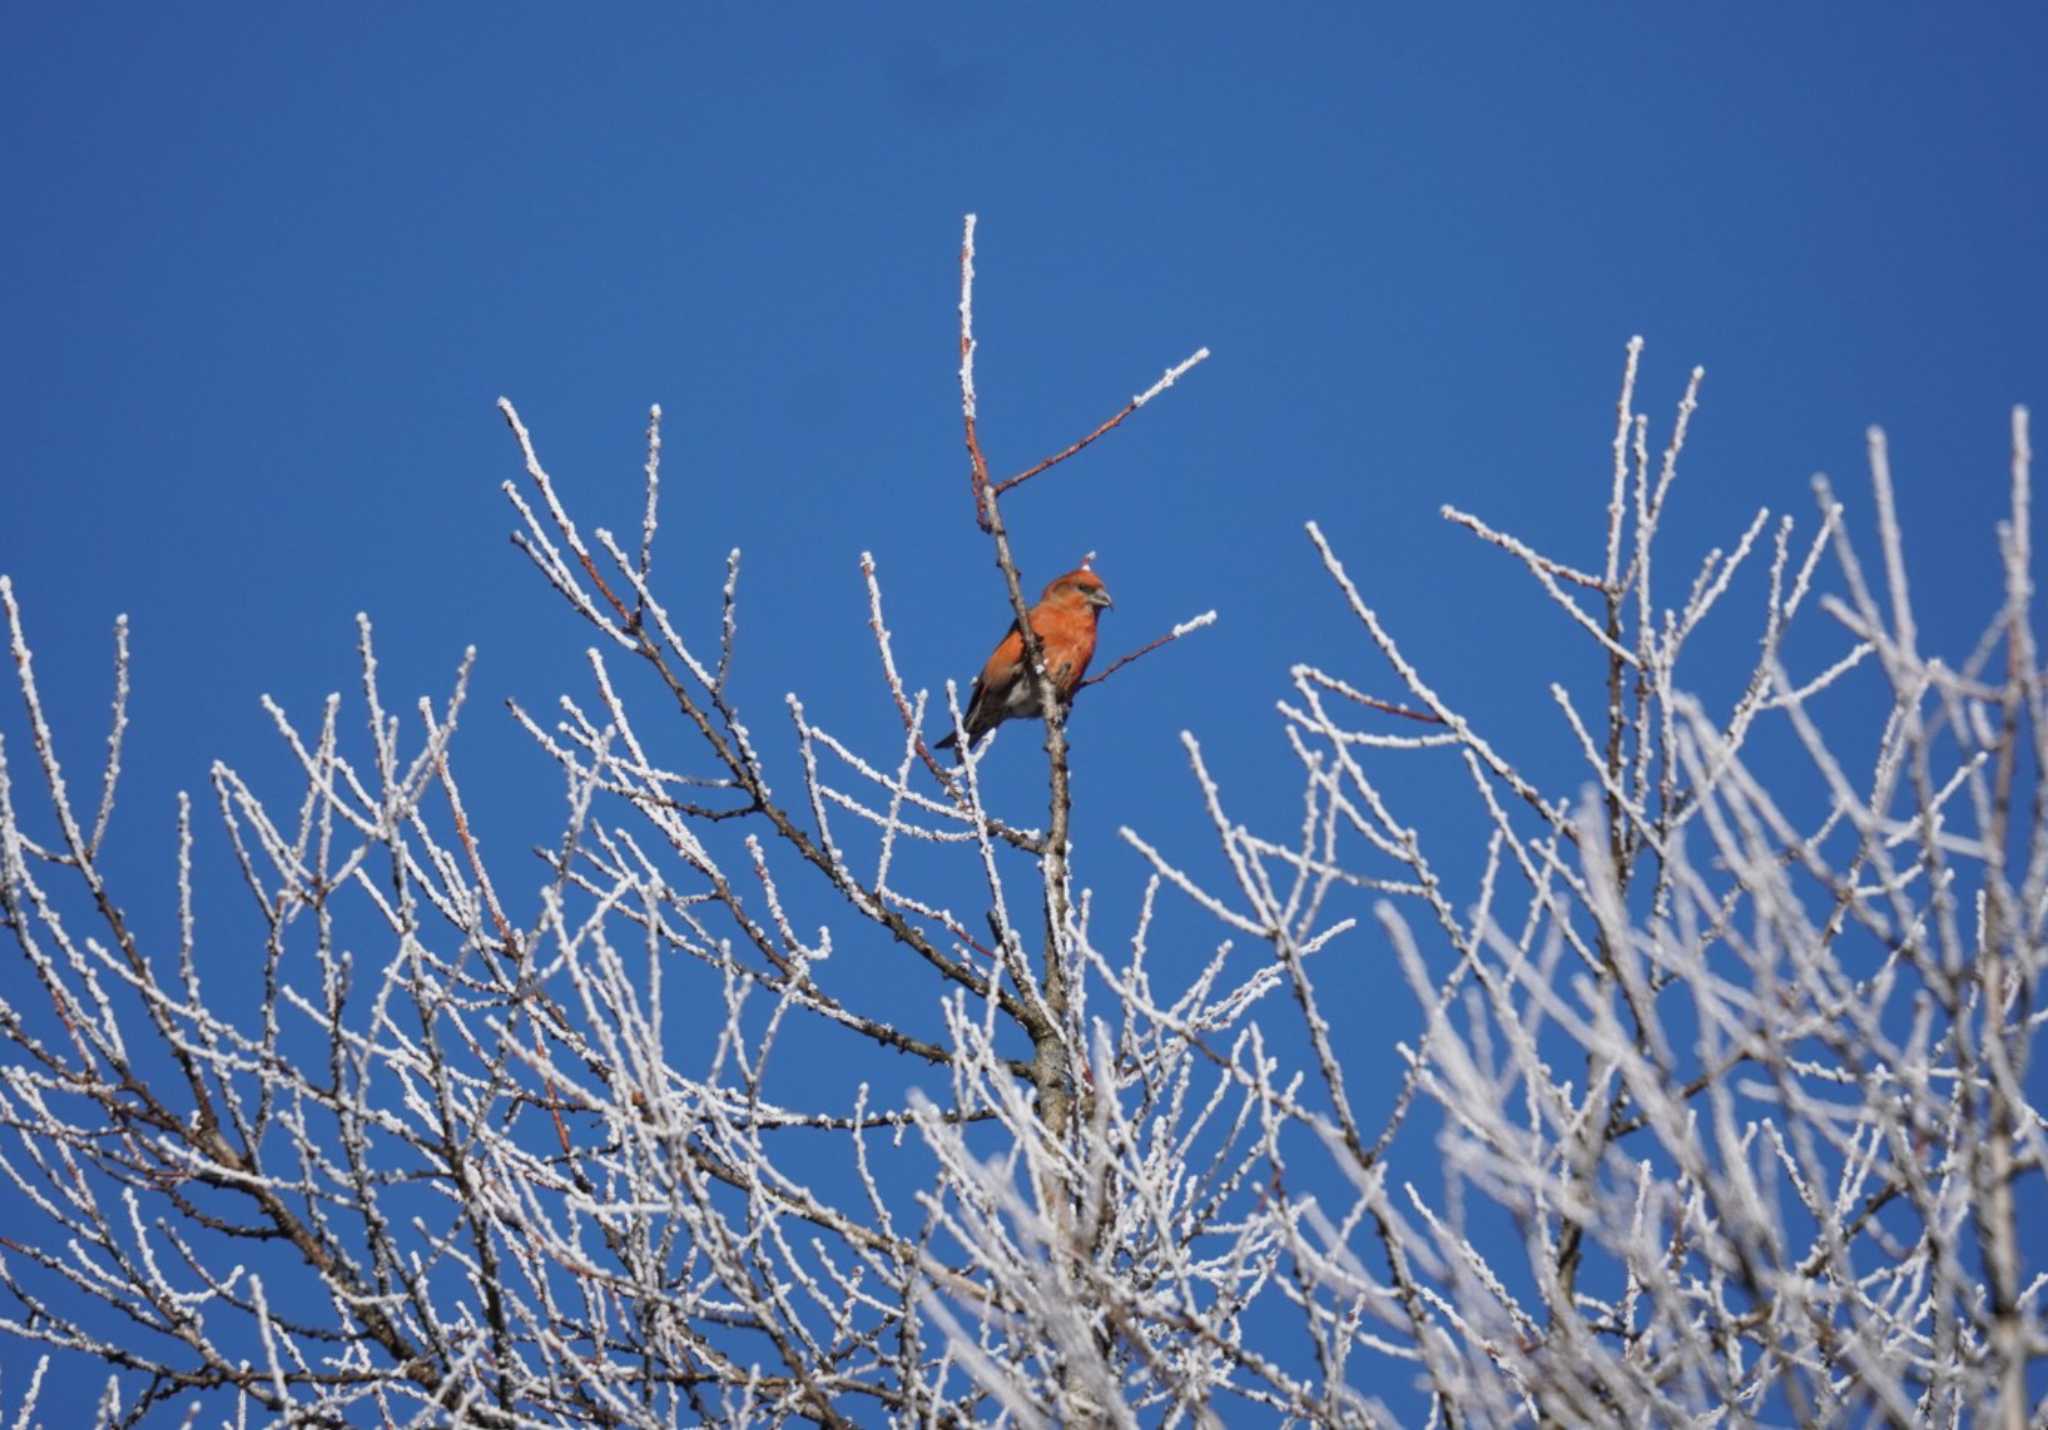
x: 1894, y: 549
x: 1413, y: 680
x: 1623, y: 421
x: 651, y: 516
x: 1702, y: 600
x: 555, y: 568
x: 28, y: 1400
x: 1367, y: 738
x: 967, y: 400
x: 1608, y: 783
x: 881, y: 634
x: 120, y: 727
x: 1687, y: 405
x: 1188, y: 886
x: 898, y: 789
x: 728, y: 620
x: 650, y: 606
x: 1822, y: 681
x: 1170, y: 377
x: 1515, y: 546
x: 1831, y: 516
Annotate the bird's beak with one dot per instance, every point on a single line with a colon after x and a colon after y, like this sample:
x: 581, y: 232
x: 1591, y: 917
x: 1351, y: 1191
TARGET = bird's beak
x: 1099, y: 597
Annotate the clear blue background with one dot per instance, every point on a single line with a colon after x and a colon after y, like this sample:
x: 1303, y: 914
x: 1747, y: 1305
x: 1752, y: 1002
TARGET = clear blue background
x: 266, y: 271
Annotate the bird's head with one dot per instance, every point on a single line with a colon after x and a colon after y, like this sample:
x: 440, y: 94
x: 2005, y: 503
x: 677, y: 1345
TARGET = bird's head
x: 1082, y: 587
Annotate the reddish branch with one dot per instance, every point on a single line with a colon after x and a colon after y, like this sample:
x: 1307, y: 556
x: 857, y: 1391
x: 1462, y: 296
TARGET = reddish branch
x: 1123, y: 660
x: 1056, y: 458
x: 1371, y: 702
x: 1388, y: 707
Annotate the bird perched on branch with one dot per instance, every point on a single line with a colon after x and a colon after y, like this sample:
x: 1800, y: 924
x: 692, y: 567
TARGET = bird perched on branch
x: 1064, y: 621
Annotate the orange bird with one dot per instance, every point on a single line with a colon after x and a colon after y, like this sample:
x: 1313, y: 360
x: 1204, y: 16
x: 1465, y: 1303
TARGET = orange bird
x: 1064, y: 622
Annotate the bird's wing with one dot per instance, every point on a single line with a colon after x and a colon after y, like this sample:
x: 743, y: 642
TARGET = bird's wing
x: 1004, y: 662
x: 992, y: 686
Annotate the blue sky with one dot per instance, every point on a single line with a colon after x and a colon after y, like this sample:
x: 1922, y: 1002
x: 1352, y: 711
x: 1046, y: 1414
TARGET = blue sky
x: 269, y: 269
